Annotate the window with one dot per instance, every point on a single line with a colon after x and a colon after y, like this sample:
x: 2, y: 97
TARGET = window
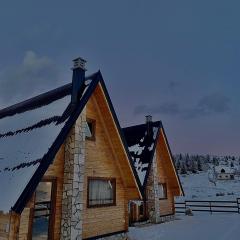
x: 101, y: 192
x: 43, y: 211
x: 162, y: 191
x: 222, y: 170
x: 90, y: 129
x: 141, y: 209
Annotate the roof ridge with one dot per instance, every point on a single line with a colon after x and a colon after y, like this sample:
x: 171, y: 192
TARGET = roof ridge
x: 143, y: 124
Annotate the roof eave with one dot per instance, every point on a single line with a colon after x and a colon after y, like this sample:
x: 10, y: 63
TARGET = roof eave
x: 171, y: 157
x: 119, y: 129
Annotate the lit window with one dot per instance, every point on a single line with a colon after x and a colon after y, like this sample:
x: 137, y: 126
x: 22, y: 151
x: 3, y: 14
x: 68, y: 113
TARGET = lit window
x: 42, y: 217
x: 90, y: 129
x: 162, y: 190
x: 101, y: 192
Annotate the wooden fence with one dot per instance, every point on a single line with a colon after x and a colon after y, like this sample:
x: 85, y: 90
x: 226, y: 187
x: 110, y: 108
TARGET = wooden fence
x: 208, y: 206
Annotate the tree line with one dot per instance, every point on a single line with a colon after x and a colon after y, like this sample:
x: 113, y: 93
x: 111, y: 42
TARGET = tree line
x: 193, y: 163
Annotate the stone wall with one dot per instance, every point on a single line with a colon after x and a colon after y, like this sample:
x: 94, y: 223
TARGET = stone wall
x: 119, y: 236
x: 153, y: 204
x: 72, y: 202
x: 167, y: 218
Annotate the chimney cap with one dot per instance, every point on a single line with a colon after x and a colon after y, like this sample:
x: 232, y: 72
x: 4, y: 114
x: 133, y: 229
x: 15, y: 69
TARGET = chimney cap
x: 148, y: 118
x: 79, y: 63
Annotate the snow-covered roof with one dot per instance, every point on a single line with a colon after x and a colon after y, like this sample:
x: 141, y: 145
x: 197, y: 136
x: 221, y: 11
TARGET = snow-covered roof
x: 141, y: 141
x: 222, y: 168
x: 27, y: 132
x: 24, y: 139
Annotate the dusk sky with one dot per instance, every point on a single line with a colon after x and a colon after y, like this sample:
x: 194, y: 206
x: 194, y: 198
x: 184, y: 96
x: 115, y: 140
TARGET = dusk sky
x: 177, y: 60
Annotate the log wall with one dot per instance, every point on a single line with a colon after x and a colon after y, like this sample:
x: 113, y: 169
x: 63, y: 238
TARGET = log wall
x: 101, y: 162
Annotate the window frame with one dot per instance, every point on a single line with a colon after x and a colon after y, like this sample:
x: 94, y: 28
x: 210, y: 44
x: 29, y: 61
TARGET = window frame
x: 93, y: 122
x: 165, y: 190
x: 51, y: 223
x: 113, y: 180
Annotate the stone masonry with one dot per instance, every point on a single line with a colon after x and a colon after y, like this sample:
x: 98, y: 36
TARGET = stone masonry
x: 153, y: 203
x: 72, y: 201
x: 119, y: 236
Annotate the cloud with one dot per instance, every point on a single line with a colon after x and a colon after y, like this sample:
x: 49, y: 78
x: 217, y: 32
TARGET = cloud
x: 173, y: 85
x: 168, y: 108
x: 215, y: 103
x: 34, y: 75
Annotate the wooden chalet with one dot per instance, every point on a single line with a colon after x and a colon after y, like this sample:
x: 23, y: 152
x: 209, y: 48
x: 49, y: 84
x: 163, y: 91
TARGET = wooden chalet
x: 65, y: 171
x: 158, y: 178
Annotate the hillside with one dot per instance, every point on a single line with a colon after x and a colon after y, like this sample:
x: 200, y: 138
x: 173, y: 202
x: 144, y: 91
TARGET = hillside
x: 196, y: 175
x: 198, y: 186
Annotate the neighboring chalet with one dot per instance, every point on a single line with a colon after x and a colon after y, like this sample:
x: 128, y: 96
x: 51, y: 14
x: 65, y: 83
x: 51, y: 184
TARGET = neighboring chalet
x: 225, y: 172
x: 153, y: 161
x: 65, y: 172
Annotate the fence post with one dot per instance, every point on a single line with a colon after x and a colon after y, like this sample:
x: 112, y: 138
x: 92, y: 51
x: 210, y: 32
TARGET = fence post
x: 210, y: 207
x: 238, y: 205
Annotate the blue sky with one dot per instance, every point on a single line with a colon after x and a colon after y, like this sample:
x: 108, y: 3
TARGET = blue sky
x: 177, y: 60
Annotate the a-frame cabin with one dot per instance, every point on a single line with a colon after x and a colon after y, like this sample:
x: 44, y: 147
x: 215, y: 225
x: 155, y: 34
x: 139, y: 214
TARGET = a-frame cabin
x: 65, y: 172
x: 154, y: 164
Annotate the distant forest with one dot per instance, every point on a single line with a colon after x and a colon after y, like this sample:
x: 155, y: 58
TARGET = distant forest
x: 191, y: 163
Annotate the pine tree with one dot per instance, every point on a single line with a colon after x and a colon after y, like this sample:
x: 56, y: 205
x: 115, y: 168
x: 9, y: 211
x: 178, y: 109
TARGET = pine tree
x: 188, y: 164
x: 199, y: 165
x: 183, y: 169
x: 178, y: 165
x: 208, y: 158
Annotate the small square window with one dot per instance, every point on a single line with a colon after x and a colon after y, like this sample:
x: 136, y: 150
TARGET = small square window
x: 162, y: 191
x: 90, y: 129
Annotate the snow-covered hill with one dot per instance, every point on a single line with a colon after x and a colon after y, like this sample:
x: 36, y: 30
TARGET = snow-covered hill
x: 199, y: 172
x: 198, y: 186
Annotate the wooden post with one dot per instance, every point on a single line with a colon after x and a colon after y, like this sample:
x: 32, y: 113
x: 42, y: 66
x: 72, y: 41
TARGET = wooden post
x: 238, y: 205
x: 14, y: 225
x: 210, y: 206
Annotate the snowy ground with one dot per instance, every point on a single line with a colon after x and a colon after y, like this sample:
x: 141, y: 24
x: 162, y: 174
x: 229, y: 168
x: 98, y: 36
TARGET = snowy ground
x: 197, y: 227
x: 197, y: 186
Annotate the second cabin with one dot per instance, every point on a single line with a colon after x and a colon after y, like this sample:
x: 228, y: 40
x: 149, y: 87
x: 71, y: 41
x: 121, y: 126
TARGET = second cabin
x: 158, y: 178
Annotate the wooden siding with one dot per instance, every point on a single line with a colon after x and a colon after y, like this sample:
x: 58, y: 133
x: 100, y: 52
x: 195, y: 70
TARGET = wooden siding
x: 101, y: 161
x: 166, y: 175
x: 55, y: 171
x: 120, y: 155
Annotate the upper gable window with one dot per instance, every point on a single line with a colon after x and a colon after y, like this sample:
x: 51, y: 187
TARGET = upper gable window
x: 162, y: 191
x: 90, y: 129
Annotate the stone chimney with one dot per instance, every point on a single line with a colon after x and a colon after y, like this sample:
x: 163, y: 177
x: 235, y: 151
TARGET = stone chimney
x: 78, y: 78
x: 149, y: 124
